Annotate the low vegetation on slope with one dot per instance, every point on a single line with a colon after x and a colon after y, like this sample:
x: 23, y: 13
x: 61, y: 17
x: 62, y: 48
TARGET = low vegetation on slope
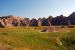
x: 30, y: 38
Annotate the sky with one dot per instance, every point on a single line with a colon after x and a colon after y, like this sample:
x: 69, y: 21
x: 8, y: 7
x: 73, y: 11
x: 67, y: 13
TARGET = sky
x: 36, y: 8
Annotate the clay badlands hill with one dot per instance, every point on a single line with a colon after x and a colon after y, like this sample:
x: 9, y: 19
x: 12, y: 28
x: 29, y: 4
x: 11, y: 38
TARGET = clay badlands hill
x: 19, y: 21
x: 12, y: 21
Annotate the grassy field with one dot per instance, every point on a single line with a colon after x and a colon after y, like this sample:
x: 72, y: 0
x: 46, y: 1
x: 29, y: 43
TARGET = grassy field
x: 30, y: 38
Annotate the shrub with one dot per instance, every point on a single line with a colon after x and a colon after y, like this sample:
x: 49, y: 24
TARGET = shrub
x: 4, y: 33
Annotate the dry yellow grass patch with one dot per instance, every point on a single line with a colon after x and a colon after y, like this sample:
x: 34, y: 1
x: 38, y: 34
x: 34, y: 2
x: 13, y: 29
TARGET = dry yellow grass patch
x: 21, y: 49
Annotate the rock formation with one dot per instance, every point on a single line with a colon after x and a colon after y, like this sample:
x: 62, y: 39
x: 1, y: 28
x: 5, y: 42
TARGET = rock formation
x: 39, y: 22
x: 50, y: 21
x: 50, y: 28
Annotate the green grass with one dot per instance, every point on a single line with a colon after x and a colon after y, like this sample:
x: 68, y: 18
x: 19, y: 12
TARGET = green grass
x: 30, y: 37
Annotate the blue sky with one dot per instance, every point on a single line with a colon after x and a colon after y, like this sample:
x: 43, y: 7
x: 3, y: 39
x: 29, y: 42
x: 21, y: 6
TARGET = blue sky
x: 36, y: 8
